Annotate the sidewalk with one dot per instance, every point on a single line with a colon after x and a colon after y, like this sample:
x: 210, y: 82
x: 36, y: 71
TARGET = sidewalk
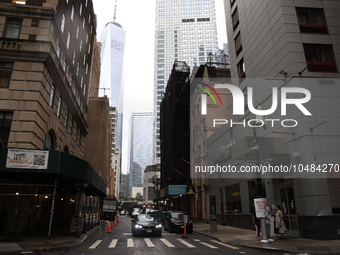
x: 38, y: 241
x: 244, y: 237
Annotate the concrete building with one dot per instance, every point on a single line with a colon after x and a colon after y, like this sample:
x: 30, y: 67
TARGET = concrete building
x: 201, y: 128
x: 148, y: 185
x: 175, y: 141
x: 46, y: 61
x: 185, y: 31
x: 283, y: 45
x: 141, y: 153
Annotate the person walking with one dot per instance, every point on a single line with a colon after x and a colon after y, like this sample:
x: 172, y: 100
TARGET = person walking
x: 279, y: 223
x: 257, y: 223
x: 268, y: 216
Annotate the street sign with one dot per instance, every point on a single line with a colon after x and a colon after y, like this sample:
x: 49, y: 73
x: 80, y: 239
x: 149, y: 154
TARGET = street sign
x: 260, y: 207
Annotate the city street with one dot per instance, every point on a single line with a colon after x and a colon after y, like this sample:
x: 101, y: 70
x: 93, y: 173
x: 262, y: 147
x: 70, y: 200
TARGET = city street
x: 121, y: 241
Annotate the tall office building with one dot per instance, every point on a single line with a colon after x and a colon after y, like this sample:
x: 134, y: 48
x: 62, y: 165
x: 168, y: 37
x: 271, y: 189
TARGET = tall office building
x: 111, y: 72
x: 141, y: 147
x: 185, y: 31
x: 284, y: 45
x: 111, y: 85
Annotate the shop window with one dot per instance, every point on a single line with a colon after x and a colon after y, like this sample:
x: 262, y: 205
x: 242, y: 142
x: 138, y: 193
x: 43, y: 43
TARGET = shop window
x: 238, y: 43
x: 312, y: 20
x: 12, y: 28
x: 235, y: 19
x: 241, y: 69
x: 5, y: 127
x: 320, y: 58
x: 5, y: 73
x: 233, y: 199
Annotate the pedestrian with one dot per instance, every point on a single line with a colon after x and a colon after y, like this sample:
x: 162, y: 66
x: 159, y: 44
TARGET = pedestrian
x: 257, y: 223
x: 279, y: 223
x: 3, y: 213
x: 268, y: 216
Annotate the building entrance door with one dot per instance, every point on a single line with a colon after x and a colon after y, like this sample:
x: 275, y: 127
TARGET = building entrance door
x: 288, y: 208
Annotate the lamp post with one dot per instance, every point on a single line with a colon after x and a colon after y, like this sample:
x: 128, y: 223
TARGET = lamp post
x: 260, y: 193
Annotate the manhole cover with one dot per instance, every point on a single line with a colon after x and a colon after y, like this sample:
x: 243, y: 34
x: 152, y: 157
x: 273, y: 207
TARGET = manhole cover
x: 314, y: 248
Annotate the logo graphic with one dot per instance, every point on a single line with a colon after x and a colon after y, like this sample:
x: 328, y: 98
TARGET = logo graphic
x: 204, y: 97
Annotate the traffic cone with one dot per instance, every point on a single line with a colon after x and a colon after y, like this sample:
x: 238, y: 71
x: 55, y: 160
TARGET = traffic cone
x: 109, y: 230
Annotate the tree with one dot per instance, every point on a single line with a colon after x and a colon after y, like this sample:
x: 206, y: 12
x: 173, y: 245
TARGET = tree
x: 139, y: 196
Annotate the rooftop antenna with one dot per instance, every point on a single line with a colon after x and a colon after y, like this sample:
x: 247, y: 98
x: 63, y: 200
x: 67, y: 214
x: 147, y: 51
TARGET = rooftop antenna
x: 114, y: 16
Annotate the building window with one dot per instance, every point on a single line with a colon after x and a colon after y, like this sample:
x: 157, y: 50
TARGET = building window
x: 233, y: 199
x: 12, y: 28
x: 80, y: 9
x: 312, y: 20
x: 5, y: 127
x: 238, y: 43
x: 49, y: 142
x: 232, y: 2
x: 5, y: 73
x: 68, y: 40
x: 74, y: 57
x: 66, y: 118
x: 72, y: 12
x: 59, y: 107
x: 51, y: 96
x: 320, y: 58
x: 62, y: 26
x: 77, y: 33
x: 235, y: 19
x: 241, y: 69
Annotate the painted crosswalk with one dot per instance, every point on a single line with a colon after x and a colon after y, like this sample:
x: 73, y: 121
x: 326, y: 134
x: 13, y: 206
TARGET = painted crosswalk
x: 155, y: 242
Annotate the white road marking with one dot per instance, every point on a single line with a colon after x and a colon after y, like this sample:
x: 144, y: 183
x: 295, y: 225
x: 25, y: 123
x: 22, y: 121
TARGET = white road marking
x: 113, y: 243
x: 197, y: 240
x: 186, y: 243
x: 167, y: 243
x: 129, y: 242
x: 224, y: 244
x: 93, y: 246
x: 209, y: 245
x: 148, y: 242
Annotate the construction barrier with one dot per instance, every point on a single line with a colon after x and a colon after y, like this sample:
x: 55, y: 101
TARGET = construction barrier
x: 109, y: 230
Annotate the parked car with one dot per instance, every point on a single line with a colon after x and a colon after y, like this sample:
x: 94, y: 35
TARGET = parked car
x: 158, y: 215
x: 146, y: 224
x: 135, y: 211
x: 173, y: 221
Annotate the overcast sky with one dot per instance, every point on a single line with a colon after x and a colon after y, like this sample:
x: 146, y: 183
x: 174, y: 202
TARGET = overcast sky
x: 138, y: 20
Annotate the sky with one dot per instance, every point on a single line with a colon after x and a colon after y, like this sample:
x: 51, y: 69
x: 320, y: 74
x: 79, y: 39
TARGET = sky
x: 138, y: 20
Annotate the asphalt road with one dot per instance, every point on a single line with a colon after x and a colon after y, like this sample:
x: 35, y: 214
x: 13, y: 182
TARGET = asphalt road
x: 121, y: 241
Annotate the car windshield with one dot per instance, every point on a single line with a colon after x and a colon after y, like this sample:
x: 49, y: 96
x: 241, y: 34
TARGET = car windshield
x: 144, y: 217
x: 177, y: 215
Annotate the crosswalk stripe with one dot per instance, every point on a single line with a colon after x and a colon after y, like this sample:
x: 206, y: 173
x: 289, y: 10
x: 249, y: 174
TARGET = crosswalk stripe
x: 129, y: 242
x: 167, y: 243
x: 209, y: 245
x: 186, y: 243
x: 93, y: 246
x: 224, y: 244
x: 197, y: 240
x: 113, y: 243
x: 148, y: 242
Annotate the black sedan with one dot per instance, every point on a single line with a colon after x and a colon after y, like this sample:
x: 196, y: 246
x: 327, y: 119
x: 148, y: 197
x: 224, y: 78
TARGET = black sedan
x: 174, y: 221
x: 145, y: 224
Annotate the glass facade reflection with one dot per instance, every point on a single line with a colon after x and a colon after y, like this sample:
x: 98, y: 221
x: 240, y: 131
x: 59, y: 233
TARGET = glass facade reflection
x: 185, y: 31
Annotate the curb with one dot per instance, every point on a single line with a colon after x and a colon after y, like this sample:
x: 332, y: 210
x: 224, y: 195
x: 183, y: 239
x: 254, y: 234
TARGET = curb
x: 61, y: 246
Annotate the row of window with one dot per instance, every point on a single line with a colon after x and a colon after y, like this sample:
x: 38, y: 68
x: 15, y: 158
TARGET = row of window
x: 319, y: 57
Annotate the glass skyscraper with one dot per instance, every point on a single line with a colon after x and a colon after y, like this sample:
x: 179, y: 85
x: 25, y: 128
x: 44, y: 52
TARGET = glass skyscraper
x: 141, y: 147
x: 185, y: 31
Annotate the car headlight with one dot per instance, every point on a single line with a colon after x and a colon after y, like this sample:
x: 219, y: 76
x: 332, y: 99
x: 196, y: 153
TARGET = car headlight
x: 159, y: 226
x: 138, y: 226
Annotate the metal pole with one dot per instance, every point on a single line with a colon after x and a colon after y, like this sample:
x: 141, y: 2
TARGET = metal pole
x: 52, y: 210
x: 264, y: 238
